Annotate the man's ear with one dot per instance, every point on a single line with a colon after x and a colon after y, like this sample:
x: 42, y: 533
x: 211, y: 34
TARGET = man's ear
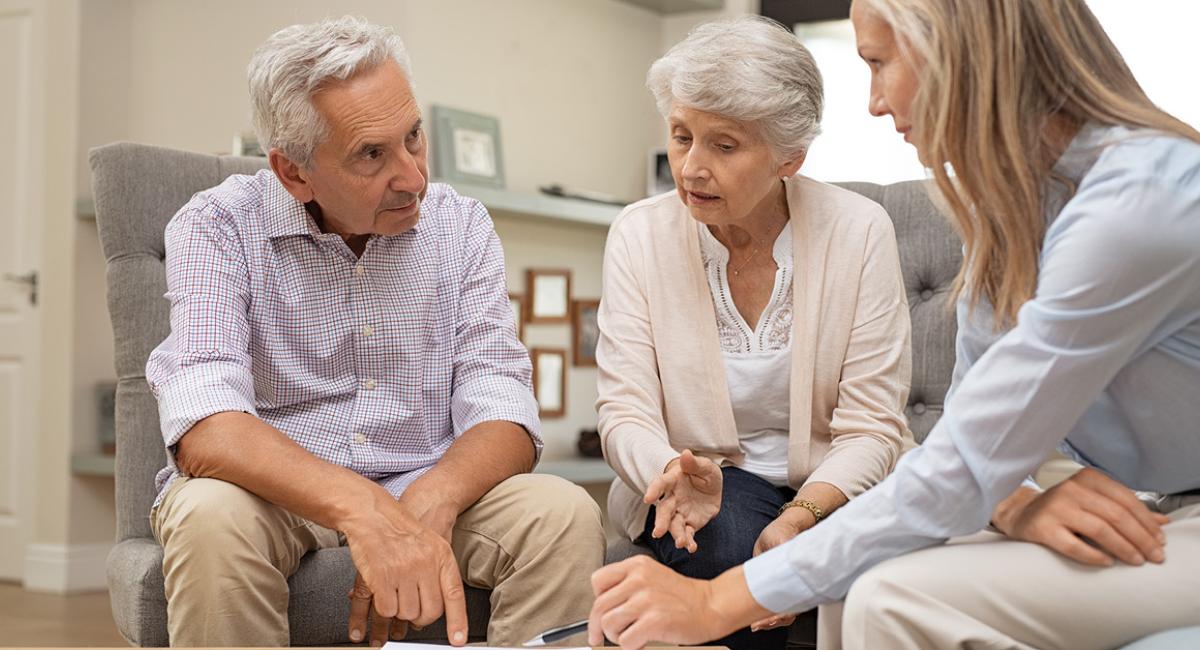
x: 293, y: 177
x: 790, y: 167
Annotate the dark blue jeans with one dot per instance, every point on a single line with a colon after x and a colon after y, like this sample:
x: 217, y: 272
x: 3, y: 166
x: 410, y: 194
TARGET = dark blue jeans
x: 748, y: 505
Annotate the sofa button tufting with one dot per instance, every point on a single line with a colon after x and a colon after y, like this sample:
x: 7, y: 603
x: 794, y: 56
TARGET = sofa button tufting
x: 918, y: 408
x: 926, y: 294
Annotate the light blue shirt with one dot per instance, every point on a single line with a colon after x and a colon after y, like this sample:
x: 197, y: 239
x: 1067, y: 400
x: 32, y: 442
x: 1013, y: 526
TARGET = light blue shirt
x: 1104, y: 363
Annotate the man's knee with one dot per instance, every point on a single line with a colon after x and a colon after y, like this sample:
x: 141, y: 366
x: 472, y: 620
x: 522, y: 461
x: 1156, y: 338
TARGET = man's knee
x: 211, y: 516
x: 556, y: 508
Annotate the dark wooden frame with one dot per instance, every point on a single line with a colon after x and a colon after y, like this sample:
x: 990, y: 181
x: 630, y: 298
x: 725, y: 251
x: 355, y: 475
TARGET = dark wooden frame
x: 577, y: 357
x: 534, y: 355
x: 531, y: 276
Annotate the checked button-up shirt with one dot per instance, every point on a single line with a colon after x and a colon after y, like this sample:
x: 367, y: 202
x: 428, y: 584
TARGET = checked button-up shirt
x: 374, y: 363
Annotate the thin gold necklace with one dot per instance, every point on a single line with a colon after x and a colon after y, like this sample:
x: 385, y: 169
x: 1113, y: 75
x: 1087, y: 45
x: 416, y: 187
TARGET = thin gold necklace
x: 753, y: 253
x: 758, y: 245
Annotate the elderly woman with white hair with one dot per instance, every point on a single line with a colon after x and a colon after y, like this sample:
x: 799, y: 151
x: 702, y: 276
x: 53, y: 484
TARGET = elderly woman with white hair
x: 754, y: 353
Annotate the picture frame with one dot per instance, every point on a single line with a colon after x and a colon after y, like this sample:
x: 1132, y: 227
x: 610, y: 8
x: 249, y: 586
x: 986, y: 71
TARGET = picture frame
x: 516, y: 302
x: 550, y: 381
x: 658, y: 173
x: 467, y: 148
x: 548, y: 296
x: 585, y: 332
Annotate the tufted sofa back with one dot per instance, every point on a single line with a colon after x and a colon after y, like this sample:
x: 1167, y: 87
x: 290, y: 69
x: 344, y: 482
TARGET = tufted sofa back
x: 930, y: 254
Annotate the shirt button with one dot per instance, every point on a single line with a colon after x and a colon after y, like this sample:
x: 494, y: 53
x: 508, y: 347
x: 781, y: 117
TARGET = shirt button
x: 359, y: 270
x: 367, y: 330
x: 369, y: 384
x: 360, y: 438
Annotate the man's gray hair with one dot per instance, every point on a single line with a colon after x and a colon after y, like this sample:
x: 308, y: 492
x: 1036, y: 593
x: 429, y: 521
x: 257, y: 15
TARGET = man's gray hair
x: 294, y: 64
x: 750, y: 69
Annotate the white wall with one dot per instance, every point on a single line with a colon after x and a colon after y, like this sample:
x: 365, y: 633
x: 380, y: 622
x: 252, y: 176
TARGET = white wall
x: 853, y: 146
x: 1153, y: 35
x: 1157, y: 39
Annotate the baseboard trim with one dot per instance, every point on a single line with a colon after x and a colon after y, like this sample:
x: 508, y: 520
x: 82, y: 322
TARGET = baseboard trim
x: 66, y: 568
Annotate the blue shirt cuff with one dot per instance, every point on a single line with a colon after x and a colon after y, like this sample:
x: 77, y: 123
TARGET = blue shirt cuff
x: 776, y: 585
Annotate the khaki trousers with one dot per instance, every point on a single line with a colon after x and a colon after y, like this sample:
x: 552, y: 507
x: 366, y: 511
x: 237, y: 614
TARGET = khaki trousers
x: 988, y: 591
x: 534, y: 540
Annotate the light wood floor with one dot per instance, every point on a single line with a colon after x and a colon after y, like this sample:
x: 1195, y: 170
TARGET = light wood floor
x: 37, y: 620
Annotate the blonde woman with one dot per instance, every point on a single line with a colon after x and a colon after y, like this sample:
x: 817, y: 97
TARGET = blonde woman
x: 1079, y: 328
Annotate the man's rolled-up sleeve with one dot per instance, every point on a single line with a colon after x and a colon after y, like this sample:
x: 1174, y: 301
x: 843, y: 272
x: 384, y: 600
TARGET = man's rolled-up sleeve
x: 492, y: 371
x: 203, y: 367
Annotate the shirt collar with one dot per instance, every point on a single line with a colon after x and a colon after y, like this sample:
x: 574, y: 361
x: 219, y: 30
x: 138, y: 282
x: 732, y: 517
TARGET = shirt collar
x: 283, y: 214
x: 286, y: 216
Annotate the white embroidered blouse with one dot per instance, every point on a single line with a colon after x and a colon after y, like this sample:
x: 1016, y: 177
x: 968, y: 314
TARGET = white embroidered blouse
x: 757, y: 361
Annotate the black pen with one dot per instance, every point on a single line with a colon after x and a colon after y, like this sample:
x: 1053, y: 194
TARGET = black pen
x: 557, y: 634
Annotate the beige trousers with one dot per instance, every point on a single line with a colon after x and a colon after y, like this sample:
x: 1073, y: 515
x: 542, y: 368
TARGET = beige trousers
x: 988, y: 591
x: 534, y: 540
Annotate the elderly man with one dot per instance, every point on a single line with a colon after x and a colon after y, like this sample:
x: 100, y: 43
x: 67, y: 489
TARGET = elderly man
x: 342, y: 368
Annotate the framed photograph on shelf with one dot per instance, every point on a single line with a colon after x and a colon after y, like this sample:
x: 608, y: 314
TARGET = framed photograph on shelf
x: 549, y: 297
x: 517, y: 303
x: 658, y: 173
x: 586, y: 332
x: 467, y: 148
x: 550, y: 381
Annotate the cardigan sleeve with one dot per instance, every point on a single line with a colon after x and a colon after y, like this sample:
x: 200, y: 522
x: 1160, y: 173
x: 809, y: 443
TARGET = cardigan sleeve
x: 868, y: 427
x: 633, y: 431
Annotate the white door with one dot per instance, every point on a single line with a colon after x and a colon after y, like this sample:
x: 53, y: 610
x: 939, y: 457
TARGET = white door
x: 20, y: 183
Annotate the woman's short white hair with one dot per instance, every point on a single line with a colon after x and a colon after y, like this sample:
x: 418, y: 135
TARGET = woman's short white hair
x: 294, y: 64
x: 750, y: 69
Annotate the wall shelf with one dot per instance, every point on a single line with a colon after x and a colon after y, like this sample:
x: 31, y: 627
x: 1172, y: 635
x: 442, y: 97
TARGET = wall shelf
x: 583, y: 471
x: 496, y: 200
x: 541, y: 206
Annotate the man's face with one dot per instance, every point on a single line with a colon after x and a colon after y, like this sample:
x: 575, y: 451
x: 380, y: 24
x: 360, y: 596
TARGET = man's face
x: 370, y: 174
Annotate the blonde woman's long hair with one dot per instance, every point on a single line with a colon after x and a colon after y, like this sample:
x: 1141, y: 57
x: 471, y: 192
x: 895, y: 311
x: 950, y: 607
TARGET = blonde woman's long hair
x: 994, y: 77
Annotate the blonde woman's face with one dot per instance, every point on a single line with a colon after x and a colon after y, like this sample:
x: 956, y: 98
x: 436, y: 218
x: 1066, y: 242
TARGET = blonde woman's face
x: 723, y: 168
x: 893, y: 76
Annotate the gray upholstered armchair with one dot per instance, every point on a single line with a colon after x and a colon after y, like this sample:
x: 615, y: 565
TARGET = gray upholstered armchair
x: 930, y: 254
x: 137, y: 189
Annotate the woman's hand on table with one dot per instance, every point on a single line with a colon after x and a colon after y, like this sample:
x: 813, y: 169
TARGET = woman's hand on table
x: 639, y: 601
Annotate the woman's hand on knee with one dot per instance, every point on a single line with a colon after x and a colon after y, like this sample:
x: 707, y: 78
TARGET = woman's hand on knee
x: 1089, y: 506
x: 686, y: 497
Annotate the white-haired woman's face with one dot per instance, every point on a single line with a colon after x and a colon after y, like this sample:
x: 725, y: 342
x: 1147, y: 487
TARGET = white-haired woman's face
x: 723, y: 168
x: 893, y: 77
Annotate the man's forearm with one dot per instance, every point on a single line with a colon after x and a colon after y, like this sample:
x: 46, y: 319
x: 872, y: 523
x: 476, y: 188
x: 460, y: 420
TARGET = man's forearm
x: 242, y: 449
x: 478, y: 461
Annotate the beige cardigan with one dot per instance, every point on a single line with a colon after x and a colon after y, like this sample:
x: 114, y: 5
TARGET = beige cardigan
x: 662, y: 376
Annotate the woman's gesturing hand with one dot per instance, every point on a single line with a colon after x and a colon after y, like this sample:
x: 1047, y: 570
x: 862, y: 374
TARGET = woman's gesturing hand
x: 686, y: 497
x: 1088, y: 505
